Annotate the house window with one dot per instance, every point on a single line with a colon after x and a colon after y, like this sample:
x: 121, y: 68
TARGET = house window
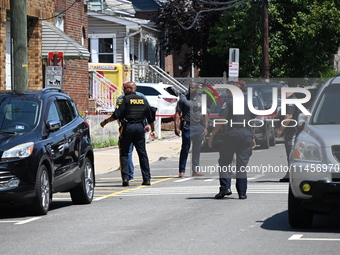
x: 83, y: 36
x: 105, y: 53
x: 103, y: 48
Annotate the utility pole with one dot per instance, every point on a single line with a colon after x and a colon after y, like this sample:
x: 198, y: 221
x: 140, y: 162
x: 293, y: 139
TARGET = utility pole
x: 19, y: 46
x: 265, y: 37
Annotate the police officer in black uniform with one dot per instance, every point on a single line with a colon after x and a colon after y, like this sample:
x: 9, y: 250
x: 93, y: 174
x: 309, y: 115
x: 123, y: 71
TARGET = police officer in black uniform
x: 239, y: 140
x: 131, y: 111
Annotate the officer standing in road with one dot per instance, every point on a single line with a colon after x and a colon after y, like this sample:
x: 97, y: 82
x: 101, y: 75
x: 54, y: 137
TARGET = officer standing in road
x: 239, y: 139
x: 147, y: 129
x: 192, y: 126
x: 288, y: 130
x: 131, y: 111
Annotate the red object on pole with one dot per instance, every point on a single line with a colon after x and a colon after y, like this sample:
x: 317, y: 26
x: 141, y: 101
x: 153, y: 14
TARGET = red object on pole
x: 55, y: 59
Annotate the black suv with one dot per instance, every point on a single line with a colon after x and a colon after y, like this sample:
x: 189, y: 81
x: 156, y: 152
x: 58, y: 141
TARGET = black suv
x: 45, y: 148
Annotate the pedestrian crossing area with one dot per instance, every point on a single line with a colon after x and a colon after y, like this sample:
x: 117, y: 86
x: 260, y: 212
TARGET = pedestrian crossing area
x: 110, y: 187
x: 200, y: 190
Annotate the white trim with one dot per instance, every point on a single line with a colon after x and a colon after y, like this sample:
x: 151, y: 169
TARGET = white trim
x: 132, y: 50
x: 94, y: 38
x: 127, y: 48
x: 114, y: 48
x: 8, y: 70
x: 102, y: 35
x: 128, y: 24
x: 94, y: 49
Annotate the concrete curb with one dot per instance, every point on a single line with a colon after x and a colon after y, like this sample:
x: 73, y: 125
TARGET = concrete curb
x: 107, y: 159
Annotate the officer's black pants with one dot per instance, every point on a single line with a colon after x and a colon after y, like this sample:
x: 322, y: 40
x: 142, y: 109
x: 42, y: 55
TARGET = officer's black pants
x: 237, y: 142
x: 289, y: 142
x: 133, y: 133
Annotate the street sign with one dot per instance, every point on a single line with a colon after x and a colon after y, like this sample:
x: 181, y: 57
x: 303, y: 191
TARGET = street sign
x: 233, y: 69
x: 55, y: 59
x: 234, y: 55
x: 54, y: 76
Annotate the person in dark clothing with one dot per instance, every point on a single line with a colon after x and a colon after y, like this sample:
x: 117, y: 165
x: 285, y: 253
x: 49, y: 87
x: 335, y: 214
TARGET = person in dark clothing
x: 239, y: 140
x: 131, y: 111
x: 192, y: 126
x: 288, y: 130
x: 147, y: 128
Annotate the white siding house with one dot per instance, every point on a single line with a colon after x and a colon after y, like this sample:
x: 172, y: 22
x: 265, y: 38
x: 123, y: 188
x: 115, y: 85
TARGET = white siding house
x: 122, y: 40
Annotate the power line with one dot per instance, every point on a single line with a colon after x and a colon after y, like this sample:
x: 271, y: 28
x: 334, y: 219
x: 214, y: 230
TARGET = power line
x: 76, y: 1
x: 234, y: 3
x: 218, y: 3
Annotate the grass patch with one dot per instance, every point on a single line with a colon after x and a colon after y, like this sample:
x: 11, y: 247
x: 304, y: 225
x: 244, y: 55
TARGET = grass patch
x: 103, y: 143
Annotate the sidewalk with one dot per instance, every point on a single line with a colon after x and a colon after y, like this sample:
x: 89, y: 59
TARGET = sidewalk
x: 107, y: 159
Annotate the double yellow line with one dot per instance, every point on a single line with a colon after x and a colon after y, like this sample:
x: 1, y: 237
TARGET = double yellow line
x: 135, y: 188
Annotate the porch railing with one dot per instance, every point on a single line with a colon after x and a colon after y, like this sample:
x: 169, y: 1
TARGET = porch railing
x: 104, y: 91
x: 155, y: 74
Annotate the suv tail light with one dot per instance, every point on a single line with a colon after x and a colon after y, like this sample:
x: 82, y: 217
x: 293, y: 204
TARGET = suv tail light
x: 170, y: 100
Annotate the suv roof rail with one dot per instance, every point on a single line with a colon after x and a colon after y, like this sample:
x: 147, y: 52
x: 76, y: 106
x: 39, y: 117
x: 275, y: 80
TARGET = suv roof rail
x: 49, y: 89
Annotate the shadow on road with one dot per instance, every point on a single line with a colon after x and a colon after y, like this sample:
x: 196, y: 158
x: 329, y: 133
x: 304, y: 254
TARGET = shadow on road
x: 326, y: 223
x: 21, y: 211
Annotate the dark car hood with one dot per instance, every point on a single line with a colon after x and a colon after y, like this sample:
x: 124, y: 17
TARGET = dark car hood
x: 11, y: 139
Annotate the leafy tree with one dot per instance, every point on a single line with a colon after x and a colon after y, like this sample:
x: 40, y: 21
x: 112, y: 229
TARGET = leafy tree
x: 185, y: 29
x: 303, y: 36
x: 239, y: 27
x: 313, y: 36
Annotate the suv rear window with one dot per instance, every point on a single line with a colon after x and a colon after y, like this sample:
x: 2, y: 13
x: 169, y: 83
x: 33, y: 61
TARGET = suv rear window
x: 148, y: 91
x: 170, y: 91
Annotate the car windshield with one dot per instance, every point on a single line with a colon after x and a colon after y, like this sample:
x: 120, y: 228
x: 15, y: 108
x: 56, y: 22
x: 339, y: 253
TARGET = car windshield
x: 327, y: 108
x: 266, y: 92
x: 215, y: 108
x: 170, y: 90
x: 18, y: 114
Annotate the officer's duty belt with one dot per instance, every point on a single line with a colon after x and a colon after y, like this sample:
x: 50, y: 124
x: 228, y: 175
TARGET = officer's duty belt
x: 185, y: 123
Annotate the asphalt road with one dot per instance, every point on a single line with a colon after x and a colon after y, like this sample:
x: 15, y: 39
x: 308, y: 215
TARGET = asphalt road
x: 173, y: 216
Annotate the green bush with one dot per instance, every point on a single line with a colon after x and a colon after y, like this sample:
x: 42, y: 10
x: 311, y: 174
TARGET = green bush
x: 102, y: 143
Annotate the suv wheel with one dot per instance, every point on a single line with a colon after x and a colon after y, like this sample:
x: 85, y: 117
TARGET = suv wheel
x: 298, y: 216
x: 83, y: 194
x: 41, y: 202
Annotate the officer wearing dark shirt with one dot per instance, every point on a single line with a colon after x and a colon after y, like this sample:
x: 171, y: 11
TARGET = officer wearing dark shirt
x: 131, y: 111
x: 239, y: 140
x: 192, y: 126
x: 290, y: 131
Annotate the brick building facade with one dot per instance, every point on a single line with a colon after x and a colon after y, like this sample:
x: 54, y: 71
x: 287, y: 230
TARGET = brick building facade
x: 75, y: 77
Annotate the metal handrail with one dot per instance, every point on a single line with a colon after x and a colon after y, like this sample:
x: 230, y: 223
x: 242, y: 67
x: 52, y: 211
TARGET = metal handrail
x: 104, y: 91
x: 180, y: 87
